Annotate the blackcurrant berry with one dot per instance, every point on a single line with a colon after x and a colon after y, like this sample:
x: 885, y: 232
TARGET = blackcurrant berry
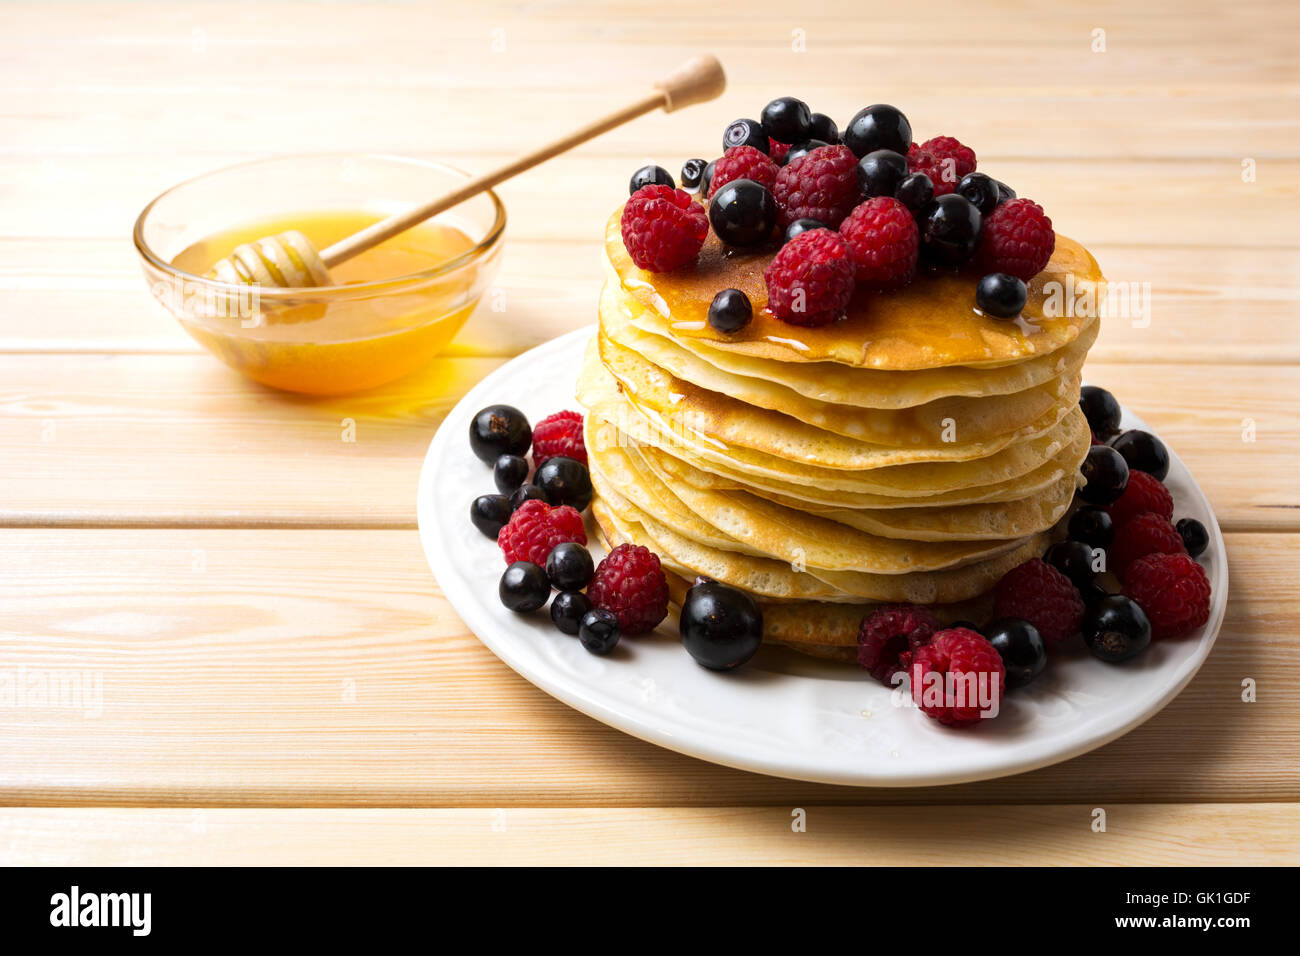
x: 1000, y: 295
x: 878, y: 127
x: 568, y: 610
x: 1074, y: 559
x: 730, y: 311
x: 1021, y: 647
x: 950, y: 229
x: 824, y: 129
x: 1116, y: 628
x: 706, y: 178
x: 509, y: 473
x: 802, y: 225
x: 569, y: 566
x: 524, y: 587
x: 801, y: 149
x: 489, y: 513
x: 981, y: 190
x: 743, y: 213
x: 746, y: 132
x: 880, y: 172
x: 1105, y: 474
x: 598, y: 631
x: 650, y: 176
x: 1143, y: 451
x: 915, y: 192
x: 693, y: 173
x: 564, y: 481
x: 1195, y: 538
x: 1005, y: 192
x: 787, y: 120
x: 1101, y: 409
x: 526, y: 492
x: 499, y: 430
x: 721, y: 627
x: 1093, y: 526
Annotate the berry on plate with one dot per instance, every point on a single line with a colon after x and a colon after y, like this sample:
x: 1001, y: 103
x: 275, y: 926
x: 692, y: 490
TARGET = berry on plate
x: 598, y: 631
x: 1195, y: 538
x: 663, y: 228
x: 742, y: 162
x: 950, y: 229
x: 958, y: 678
x: 489, y: 513
x: 883, y: 242
x: 631, y: 585
x: 1102, y: 410
x: 879, y: 173
x: 1105, y: 475
x: 1093, y: 526
x: 888, y: 637
x: 569, y: 566
x: 1116, y: 628
x: 559, y: 434
x: 746, y: 132
x: 568, y: 609
x: 1143, y: 451
x: 944, y: 159
x: 565, y: 481
x: 1000, y: 295
x: 981, y: 190
x: 509, y: 473
x: 1038, y: 593
x: 1017, y: 239
x: 535, y: 528
x: 693, y: 174
x: 1173, y: 590
x: 523, y: 587
x: 1142, y: 493
x: 721, y: 627
x: 810, y: 281
x: 650, y: 176
x: 878, y: 127
x: 730, y: 311
x: 1021, y: 647
x: 499, y: 430
x: 822, y: 184
x: 743, y: 213
x: 787, y: 119
x: 1147, y: 533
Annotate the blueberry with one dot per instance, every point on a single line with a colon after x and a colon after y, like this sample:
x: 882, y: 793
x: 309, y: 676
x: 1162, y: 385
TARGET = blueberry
x: 730, y: 311
x: 650, y: 176
x: 1116, y: 628
x: 693, y: 173
x: 981, y: 190
x: 746, y: 132
x: 598, y: 631
x: 1101, y: 409
x: 1143, y: 451
x: 1021, y: 647
x: 1195, y: 538
x: 706, y: 178
x: 524, y: 587
x: 802, y: 225
x: 787, y: 120
x: 915, y: 192
x: 1000, y: 295
x: 1005, y: 192
x: 1106, y: 474
x: 564, y: 481
x: 1074, y: 560
x: 489, y: 513
x: 743, y: 213
x: 528, y: 492
x: 499, y: 430
x: 509, y: 473
x: 801, y: 149
x: 950, y: 228
x: 1093, y: 526
x: 878, y: 127
x: 568, y: 610
x: 569, y: 566
x: 823, y: 128
x: 721, y: 627
x: 880, y: 172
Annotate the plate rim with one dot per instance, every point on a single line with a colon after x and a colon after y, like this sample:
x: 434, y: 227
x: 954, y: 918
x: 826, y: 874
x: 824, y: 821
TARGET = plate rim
x: 473, y: 614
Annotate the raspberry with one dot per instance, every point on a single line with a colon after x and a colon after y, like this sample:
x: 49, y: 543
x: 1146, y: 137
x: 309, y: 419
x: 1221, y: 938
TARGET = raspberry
x: 663, y: 228
x: 1017, y: 239
x: 1143, y: 493
x: 883, y: 243
x: 944, y: 160
x: 810, y: 281
x: 777, y: 150
x: 743, y: 162
x: 957, y: 676
x: 1147, y: 533
x: 559, y: 434
x: 1173, y: 590
x: 630, y: 584
x: 1038, y: 593
x: 535, y: 528
x: 889, y: 635
x: 821, y: 185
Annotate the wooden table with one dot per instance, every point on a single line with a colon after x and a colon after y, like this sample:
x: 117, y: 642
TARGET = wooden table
x: 249, y: 586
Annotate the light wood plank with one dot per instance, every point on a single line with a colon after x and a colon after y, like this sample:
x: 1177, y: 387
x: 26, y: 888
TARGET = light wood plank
x: 325, y: 668
x: 1151, y: 834
x: 182, y: 440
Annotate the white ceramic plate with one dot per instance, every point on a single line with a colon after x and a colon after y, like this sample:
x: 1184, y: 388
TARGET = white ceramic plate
x: 782, y: 713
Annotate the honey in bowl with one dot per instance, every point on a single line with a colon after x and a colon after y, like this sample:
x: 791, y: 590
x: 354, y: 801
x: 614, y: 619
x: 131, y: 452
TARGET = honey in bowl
x: 328, y: 341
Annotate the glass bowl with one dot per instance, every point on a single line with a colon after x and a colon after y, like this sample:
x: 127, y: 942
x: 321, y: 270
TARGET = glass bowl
x: 333, y: 339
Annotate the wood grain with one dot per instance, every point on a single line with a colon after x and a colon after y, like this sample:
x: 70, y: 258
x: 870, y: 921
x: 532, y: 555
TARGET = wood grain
x: 324, y: 668
x: 1146, y: 834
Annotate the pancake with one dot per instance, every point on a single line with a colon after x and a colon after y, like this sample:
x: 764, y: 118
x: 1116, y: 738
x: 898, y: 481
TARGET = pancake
x: 931, y: 323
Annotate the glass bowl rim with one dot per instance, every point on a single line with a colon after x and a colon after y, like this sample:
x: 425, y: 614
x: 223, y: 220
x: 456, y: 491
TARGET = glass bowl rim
x: 480, y: 248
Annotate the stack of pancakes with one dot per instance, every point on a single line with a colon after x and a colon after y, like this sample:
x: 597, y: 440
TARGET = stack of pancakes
x: 914, y: 451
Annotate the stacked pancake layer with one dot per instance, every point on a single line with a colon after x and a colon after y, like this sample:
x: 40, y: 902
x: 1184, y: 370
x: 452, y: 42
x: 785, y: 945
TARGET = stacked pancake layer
x: 913, y: 451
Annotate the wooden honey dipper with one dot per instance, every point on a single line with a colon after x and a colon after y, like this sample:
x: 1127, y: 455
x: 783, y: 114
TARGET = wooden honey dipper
x: 289, y: 260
